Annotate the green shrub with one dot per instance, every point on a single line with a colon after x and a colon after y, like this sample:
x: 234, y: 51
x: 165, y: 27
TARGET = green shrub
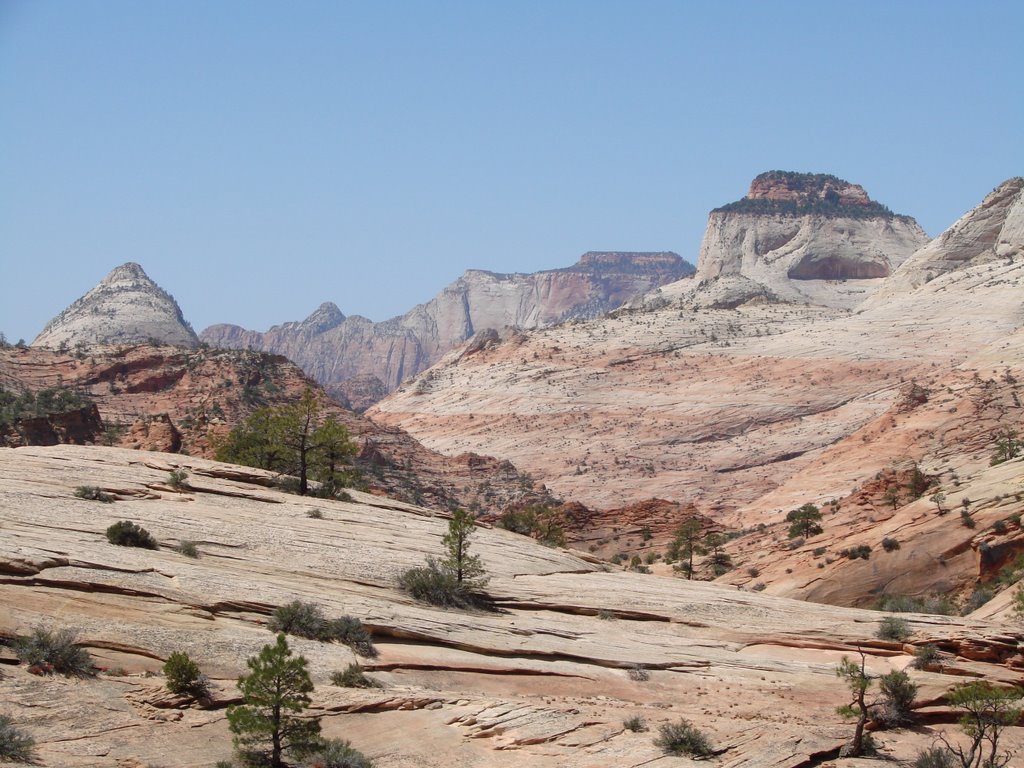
x: 899, y: 693
x: 183, y: 675
x: 178, y: 479
x: 890, y: 545
x: 335, y: 753
x: 437, y: 586
x: 47, y: 651
x: 999, y: 527
x: 819, y: 551
x: 683, y: 738
x: 893, y: 628
x: 636, y: 724
x: 187, y: 548
x: 300, y: 619
x: 92, y: 493
x: 862, y: 551
x: 981, y: 596
x: 966, y: 519
x: 935, y: 604
x: 924, y: 655
x: 605, y: 615
x: 933, y: 757
x: 350, y: 631
x: 127, y: 534
x: 315, y: 514
x: 352, y: 677
x: 15, y: 746
x: 307, y: 620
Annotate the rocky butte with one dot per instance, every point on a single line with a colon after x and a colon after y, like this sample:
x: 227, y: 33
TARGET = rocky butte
x: 125, y: 308
x: 343, y: 353
x: 802, y: 237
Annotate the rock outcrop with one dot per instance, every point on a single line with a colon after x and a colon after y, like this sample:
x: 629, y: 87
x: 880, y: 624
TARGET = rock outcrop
x: 992, y: 231
x: 125, y: 308
x: 546, y: 680
x: 172, y: 399
x: 801, y: 237
x: 333, y: 348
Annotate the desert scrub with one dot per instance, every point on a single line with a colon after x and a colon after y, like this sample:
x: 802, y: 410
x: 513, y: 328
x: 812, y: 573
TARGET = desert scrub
x: 15, y: 746
x: 187, y: 548
x: 636, y: 724
x: 438, y: 586
x: 682, y: 738
x: 93, y: 493
x: 183, y: 676
x: 925, y: 655
x: 893, y: 628
x: 353, y: 677
x: 307, y: 620
x: 638, y: 673
x: 178, y: 479
x: 890, y: 545
x: 335, y: 753
x: 127, y: 534
x: 47, y: 651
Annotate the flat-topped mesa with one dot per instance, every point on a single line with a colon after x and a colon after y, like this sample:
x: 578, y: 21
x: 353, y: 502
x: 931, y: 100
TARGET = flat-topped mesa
x: 126, y: 307
x: 643, y: 262
x: 800, y: 237
x: 788, y: 193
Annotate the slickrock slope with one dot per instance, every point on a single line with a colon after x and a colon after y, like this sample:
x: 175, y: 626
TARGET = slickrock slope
x: 542, y: 682
x: 333, y: 348
x: 804, y: 237
x: 745, y: 413
x: 125, y: 308
x: 173, y: 399
x: 992, y: 231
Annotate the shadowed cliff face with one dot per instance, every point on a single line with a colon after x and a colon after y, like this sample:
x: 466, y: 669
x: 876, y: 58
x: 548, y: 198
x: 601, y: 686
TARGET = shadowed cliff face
x: 333, y: 348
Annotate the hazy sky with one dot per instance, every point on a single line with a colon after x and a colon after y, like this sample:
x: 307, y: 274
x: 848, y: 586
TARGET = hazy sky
x: 258, y: 158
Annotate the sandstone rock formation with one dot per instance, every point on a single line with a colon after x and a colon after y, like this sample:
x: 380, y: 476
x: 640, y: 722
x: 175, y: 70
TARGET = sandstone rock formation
x: 172, y: 399
x: 802, y: 236
x: 747, y: 413
x: 546, y: 681
x: 992, y: 231
x: 333, y: 348
x: 125, y: 308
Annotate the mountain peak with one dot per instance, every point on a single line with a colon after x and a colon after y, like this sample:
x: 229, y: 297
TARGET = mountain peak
x: 125, y: 307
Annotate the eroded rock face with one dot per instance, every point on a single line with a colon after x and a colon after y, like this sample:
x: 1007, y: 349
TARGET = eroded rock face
x: 992, y: 231
x: 794, y: 234
x: 125, y: 308
x: 333, y: 348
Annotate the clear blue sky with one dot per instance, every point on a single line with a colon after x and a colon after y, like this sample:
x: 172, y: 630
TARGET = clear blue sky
x: 258, y: 158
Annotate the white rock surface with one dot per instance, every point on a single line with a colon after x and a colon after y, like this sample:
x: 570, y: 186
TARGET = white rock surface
x: 125, y: 308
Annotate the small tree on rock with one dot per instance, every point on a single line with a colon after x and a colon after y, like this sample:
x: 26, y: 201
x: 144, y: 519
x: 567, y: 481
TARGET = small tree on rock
x: 685, y: 545
x: 466, y: 568
x: 987, y: 711
x: 803, y: 522
x: 276, y: 691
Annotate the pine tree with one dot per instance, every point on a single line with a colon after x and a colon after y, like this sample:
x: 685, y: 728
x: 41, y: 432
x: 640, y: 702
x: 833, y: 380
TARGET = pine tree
x: 276, y: 691
x: 466, y: 568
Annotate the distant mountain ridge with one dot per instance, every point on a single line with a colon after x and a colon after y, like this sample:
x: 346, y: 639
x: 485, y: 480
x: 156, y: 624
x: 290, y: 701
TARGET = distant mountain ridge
x: 337, y: 350
x: 126, y: 307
